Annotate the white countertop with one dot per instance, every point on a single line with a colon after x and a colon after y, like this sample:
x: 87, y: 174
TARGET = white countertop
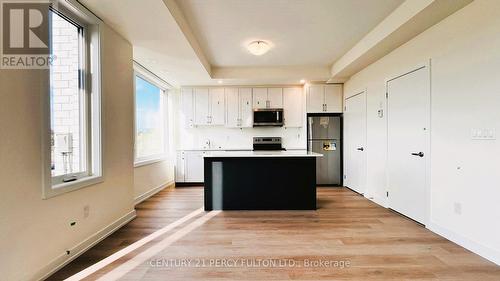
x: 265, y: 153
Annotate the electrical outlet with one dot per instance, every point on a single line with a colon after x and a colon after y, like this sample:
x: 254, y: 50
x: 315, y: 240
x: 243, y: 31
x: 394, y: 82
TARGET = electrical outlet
x: 457, y: 208
x: 86, y: 211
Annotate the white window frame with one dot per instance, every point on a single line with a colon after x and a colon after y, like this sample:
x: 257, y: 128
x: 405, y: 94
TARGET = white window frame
x: 91, y: 77
x: 145, y: 74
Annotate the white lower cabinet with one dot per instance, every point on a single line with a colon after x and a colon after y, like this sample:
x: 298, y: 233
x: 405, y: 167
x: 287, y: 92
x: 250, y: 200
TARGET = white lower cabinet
x: 190, y: 167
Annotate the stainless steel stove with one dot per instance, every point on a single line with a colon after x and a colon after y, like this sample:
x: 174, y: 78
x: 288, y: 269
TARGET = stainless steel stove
x: 267, y: 143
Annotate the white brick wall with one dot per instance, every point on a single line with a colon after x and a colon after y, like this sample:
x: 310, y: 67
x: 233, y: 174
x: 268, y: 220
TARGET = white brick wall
x: 65, y: 95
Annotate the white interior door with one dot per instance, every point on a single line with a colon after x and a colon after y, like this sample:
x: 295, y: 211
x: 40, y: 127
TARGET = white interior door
x: 408, y: 119
x: 355, y: 142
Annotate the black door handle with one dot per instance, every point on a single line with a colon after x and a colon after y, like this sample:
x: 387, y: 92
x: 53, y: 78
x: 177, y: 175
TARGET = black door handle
x: 420, y: 154
x: 360, y: 148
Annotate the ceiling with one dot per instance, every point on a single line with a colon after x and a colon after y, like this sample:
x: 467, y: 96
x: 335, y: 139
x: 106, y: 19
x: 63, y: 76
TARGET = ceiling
x: 302, y: 32
x: 199, y: 42
x: 158, y: 42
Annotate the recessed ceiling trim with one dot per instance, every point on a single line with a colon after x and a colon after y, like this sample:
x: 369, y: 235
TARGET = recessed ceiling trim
x: 291, y: 73
x: 183, y: 24
x: 403, y: 24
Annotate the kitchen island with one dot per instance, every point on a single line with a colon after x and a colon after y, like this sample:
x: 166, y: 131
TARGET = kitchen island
x: 260, y: 180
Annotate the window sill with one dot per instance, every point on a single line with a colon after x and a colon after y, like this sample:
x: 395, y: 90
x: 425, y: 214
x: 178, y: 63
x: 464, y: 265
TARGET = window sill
x: 145, y: 162
x: 62, y: 188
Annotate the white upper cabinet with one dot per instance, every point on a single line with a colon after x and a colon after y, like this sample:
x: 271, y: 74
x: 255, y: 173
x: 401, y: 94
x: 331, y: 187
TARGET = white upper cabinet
x: 201, y: 106
x: 315, y: 98
x: 275, y: 98
x: 187, y: 107
x: 267, y: 98
x: 217, y: 106
x: 209, y: 106
x: 292, y: 107
x: 239, y: 107
x: 259, y: 98
x: 232, y: 107
x: 246, y: 111
x: 333, y: 98
x: 324, y: 98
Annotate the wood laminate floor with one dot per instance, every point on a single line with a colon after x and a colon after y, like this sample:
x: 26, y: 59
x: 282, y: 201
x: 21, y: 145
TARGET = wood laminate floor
x: 347, y: 238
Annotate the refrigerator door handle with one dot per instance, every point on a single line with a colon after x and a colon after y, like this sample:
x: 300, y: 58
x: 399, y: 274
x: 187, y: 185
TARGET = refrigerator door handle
x: 310, y: 145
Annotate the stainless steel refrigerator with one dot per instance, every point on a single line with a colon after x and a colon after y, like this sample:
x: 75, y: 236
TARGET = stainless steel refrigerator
x: 324, y: 136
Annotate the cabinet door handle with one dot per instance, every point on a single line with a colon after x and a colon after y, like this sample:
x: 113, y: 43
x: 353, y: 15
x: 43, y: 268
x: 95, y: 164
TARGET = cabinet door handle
x: 326, y: 107
x: 419, y: 154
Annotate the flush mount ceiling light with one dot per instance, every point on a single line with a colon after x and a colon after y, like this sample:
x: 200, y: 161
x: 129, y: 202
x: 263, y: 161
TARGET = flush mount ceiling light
x: 258, y: 48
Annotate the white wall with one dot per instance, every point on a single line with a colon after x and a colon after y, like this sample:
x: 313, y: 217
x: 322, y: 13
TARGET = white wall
x: 234, y: 138
x: 465, y: 91
x: 35, y: 233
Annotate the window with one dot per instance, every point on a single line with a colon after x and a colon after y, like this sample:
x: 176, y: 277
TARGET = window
x: 73, y: 144
x: 67, y: 101
x: 150, y: 119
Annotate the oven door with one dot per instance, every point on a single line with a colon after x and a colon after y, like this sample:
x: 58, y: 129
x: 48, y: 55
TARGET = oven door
x: 268, y: 117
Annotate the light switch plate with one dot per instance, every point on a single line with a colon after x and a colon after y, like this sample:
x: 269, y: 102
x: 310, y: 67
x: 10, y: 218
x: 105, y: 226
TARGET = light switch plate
x: 483, y: 134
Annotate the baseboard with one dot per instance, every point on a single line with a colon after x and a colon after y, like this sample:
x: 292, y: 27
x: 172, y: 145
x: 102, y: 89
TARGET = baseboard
x: 382, y: 201
x: 188, y: 184
x: 146, y: 195
x: 486, y: 252
x: 64, y: 258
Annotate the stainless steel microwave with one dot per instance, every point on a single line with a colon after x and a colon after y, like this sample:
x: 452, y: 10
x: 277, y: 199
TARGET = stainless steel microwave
x: 268, y: 117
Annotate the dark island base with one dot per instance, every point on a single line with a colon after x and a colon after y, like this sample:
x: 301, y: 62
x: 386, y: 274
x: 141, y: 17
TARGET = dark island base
x: 260, y: 183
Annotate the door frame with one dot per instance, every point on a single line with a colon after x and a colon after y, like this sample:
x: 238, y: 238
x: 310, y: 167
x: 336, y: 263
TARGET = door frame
x: 359, y: 92
x: 427, y: 147
x: 341, y: 115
